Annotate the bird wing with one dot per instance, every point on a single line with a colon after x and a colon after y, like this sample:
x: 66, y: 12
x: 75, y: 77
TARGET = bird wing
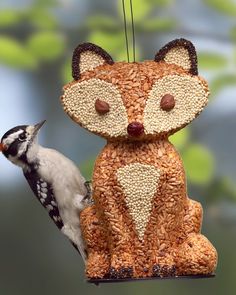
x: 44, y: 193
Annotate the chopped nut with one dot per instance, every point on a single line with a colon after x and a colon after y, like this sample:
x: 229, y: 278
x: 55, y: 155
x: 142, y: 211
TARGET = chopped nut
x: 167, y: 102
x: 101, y: 106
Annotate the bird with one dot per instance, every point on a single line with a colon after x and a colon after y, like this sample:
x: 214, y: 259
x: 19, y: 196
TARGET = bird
x: 54, y: 179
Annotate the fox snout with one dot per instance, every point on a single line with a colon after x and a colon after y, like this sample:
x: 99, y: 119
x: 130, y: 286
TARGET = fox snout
x: 135, y: 129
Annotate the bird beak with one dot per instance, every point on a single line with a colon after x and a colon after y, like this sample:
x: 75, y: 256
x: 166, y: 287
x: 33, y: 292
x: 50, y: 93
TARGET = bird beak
x: 38, y: 126
x: 2, y: 147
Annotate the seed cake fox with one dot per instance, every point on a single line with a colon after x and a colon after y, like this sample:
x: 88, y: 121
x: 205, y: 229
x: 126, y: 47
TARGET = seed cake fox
x: 142, y: 223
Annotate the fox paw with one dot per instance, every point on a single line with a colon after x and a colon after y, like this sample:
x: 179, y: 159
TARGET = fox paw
x: 121, y: 272
x: 163, y: 270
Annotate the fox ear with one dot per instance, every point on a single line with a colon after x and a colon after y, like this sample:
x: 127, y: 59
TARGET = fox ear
x: 180, y: 52
x: 88, y: 56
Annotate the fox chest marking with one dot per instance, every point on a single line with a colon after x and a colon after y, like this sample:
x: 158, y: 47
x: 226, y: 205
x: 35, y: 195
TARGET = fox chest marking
x: 139, y: 183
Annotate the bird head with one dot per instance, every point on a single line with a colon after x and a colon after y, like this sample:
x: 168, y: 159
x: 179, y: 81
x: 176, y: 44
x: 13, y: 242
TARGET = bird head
x: 17, y: 142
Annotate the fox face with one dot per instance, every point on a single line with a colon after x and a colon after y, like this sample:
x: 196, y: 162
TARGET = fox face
x: 135, y: 101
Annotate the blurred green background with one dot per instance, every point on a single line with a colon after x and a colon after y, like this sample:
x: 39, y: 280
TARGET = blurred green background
x: 37, y: 38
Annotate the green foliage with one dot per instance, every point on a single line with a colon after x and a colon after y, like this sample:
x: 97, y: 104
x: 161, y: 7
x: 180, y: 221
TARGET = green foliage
x: 87, y: 168
x: 233, y: 34
x: 221, y: 82
x: 155, y: 25
x: 39, y: 4
x: 141, y: 9
x: 180, y: 138
x: 160, y: 3
x: 66, y: 72
x: 198, y: 161
x: 109, y: 33
x: 46, y: 45
x: 41, y: 19
x: 227, y: 7
x: 14, y: 54
x: 101, y: 22
x: 221, y: 188
x: 234, y: 56
x: 9, y: 18
x: 199, y: 164
x: 211, y: 61
x: 112, y: 43
x: 121, y: 55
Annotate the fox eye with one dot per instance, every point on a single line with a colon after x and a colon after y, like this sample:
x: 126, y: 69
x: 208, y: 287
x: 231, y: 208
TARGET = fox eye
x: 22, y: 136
x: 101, y: 107
x: 167, y: 102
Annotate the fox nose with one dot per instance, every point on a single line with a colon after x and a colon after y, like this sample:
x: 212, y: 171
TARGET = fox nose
x: 135, y: 129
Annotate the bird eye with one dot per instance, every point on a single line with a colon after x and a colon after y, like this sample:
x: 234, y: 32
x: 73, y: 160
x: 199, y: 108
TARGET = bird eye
x: 22, y: 136
x: 167, y: 102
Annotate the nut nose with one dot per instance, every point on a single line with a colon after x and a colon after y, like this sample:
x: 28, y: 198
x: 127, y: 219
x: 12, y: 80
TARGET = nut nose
x: 135, y: 129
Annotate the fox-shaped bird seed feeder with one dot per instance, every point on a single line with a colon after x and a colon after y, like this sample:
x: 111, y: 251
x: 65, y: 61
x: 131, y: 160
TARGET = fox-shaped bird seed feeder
x: 142, y: 223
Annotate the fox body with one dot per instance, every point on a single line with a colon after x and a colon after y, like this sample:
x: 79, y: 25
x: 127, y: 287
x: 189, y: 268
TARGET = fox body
x: 142, y: 223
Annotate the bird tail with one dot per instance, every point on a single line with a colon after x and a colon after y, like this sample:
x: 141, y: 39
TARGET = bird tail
x: 74, y: 235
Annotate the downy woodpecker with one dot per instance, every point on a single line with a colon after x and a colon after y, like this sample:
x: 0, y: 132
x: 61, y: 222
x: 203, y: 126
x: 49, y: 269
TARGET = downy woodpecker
x: 55, y: 180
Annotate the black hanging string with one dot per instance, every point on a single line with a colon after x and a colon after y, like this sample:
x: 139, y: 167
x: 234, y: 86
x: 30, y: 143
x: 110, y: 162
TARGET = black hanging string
x: 126, y: 35
x: 133, y: 32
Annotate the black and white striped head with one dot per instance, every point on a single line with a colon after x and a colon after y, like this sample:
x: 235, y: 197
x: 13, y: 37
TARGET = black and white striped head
x: 18, y: 141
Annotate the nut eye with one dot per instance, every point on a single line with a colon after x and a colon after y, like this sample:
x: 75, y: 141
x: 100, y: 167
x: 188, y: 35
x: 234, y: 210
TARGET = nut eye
x: 22, y: 137
x: 101, y: 107
x: 167, y: 102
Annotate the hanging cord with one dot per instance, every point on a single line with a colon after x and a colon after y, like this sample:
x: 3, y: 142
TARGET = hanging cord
x: 125, y: 26
x: 133, y: 32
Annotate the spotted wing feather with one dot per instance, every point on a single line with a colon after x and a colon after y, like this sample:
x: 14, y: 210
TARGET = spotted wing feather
x: 44, y: 193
